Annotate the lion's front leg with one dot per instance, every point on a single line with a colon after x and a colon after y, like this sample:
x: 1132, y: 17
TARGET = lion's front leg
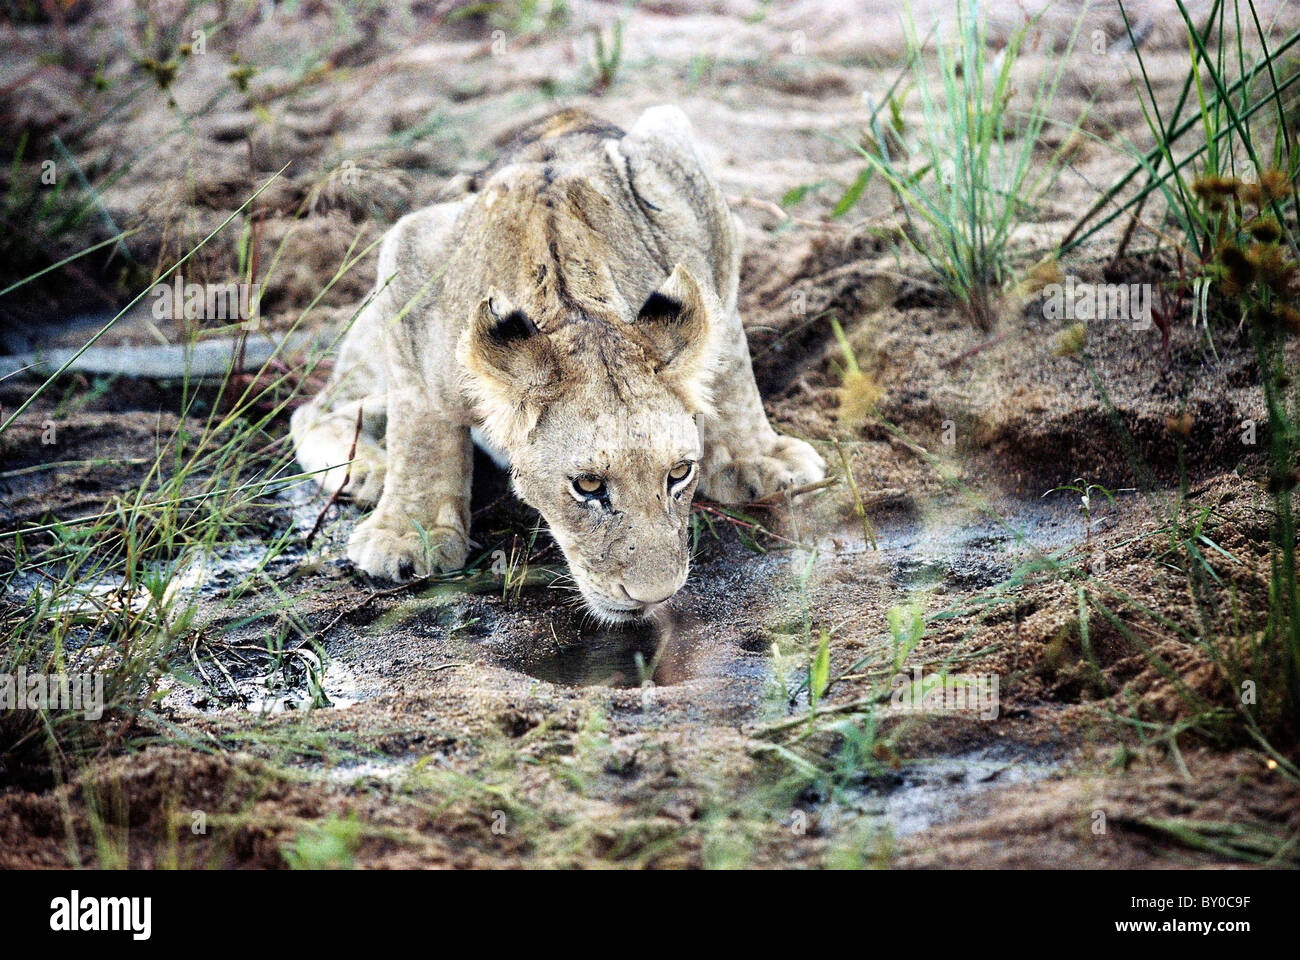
x: 744, y: 458
x: 421, y: 523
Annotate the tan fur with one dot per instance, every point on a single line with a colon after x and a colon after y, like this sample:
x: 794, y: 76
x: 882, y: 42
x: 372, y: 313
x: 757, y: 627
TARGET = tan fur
x: 578, y: 309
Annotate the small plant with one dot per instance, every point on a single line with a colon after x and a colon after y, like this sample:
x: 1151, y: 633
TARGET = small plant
x: 515, y: 568
x: 819, y: 672
x: 1259, y: 276
x: 906, y: 628
x: 329, y: 845
x: 1243, y: 106
x: 1251, y: 266
x: 976, y: 175
x: 1252, y: 842
x: 521, y: 17
x: 1233, y: 201
x: 608, y: 56
x: 1085, y: 492
x: 116, y: 591
x: 39, y: 210
x: 859, y: 392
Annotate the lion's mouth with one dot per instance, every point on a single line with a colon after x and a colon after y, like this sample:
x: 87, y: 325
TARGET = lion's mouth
x: 619, y: 611
x: 616, y: 611
x: 617, y: 606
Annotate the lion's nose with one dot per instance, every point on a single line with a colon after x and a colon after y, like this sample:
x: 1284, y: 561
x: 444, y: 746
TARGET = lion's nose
x: 652, y: 593
x: 649, y: 595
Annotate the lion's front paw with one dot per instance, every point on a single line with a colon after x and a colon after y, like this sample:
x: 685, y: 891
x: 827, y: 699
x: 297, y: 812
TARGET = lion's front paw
x: 385, y: 545
x: 789, y: 462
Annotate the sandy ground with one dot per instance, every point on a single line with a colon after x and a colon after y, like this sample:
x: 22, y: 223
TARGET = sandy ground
x: 482, y: 726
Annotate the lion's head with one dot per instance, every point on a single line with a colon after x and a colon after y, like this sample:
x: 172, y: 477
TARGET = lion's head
x: 597, y: 417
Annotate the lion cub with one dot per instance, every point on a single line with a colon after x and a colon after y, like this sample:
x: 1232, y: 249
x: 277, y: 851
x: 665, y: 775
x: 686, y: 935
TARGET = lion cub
x: 575, y: 315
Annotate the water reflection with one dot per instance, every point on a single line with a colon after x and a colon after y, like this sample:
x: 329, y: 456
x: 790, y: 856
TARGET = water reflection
x: 664, y: 651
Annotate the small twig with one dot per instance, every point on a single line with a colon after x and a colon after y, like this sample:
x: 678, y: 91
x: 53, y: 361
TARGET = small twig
x: 488, y: 506
x: 884, y: 495
x: 710, y: 508
x: 978, y: 348
x: 776, y: 211
x: 849, y: 706
x: 347, y: 478
x: 370, y: 598
x: 199, y: 666
x: 226, y: 673
x: 780, y: 496
x: 1128, y: 232
x: 920, y: 451
x: 867, y: 532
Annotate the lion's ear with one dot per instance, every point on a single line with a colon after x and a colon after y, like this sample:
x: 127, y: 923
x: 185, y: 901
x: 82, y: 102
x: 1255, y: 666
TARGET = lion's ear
x: 513, y: 368
x: 678, y: 325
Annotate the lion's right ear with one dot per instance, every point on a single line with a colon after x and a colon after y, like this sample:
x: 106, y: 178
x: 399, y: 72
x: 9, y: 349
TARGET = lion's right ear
x: 676, y: 322
x: 513, y: 369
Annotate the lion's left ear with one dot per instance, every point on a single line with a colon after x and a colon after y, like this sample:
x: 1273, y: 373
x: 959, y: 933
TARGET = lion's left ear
x: 678, y: 326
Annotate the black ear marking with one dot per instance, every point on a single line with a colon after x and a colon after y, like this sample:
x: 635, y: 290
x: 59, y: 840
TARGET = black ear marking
x: 659, y: 306
x: 515, y: 325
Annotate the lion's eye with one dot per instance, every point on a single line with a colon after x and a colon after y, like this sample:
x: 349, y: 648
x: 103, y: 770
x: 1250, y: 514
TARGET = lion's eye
x: 680, y: 472
x: 588, y: 486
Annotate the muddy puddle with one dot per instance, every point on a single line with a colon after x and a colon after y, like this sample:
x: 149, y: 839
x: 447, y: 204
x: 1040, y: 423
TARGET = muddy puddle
x: 977, y: 546
x: 925, y: 793
x: 267, y: 682
x: 949, y: 548
x: 706, y: 660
